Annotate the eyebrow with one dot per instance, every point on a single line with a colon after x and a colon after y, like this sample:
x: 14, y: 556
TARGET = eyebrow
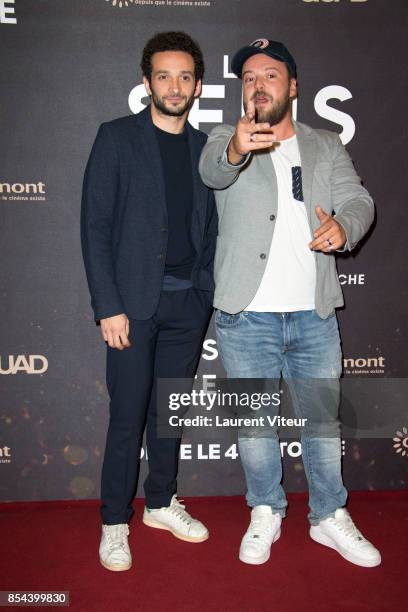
x: 168, y: 72
x: 265, y: 69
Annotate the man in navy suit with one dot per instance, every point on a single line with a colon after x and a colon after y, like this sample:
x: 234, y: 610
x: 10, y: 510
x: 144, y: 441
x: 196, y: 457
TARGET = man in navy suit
x: 148, y: 227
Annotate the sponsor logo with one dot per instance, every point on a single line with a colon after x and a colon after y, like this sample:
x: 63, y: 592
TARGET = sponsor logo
x: 364, y: 365
x: 23, y: 191
x: 5, y: 454
x: 30, y: 364
x: 401, y: 442
x: 352, y: 279
x: 7, y: 12
x: 120, y: 3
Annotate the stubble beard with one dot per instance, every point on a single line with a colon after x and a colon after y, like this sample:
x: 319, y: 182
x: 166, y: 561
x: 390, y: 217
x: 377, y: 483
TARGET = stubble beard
x: 161, y: 107
x: 273, y: 115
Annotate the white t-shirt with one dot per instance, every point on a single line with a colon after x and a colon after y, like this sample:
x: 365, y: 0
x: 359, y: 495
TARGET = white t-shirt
x: 289, y: 280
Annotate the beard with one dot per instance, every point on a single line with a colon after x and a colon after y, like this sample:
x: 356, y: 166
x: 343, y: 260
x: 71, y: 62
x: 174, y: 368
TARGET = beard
x: 160, y: 105
x: 276, y: 113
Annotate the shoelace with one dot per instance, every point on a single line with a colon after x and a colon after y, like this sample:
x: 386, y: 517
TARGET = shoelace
x: 119, y: 541
x: 347, y: 527
x: 179, y: 511
x: 259, y: 528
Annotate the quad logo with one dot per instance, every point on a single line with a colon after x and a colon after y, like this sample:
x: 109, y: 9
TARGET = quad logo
x: 30, y: 364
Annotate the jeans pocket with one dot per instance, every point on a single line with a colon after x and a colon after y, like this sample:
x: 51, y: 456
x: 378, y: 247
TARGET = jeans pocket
x: 317, y: 317
x: 225, y: 319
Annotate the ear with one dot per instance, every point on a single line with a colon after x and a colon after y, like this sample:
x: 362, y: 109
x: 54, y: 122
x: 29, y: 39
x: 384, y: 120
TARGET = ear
x: 198, y: 88
x: 147, y: 86
x: 293, y: 89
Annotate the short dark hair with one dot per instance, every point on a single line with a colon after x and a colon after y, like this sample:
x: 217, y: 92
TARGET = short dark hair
x: 172, y: 41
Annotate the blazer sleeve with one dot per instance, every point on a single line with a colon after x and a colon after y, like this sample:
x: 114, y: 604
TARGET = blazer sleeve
x: 99, y: 197
x: 215, y: 170
x: 352, y: 204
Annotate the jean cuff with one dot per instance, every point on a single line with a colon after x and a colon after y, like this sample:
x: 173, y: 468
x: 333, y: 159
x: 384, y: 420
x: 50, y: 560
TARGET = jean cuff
x: 316, y: 521
x: 280, y: 511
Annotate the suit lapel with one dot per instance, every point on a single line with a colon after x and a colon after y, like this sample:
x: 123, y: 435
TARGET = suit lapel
x: 147, y: 143
x: 307, y: 149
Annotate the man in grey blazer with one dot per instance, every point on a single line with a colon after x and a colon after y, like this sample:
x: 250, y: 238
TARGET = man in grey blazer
x: 288, y: 197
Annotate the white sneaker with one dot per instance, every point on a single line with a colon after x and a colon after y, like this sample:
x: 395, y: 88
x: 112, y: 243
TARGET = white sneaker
x: 339, y: 532
x: 176, y: 519
x: 114, y: 552
x: 263, y: 530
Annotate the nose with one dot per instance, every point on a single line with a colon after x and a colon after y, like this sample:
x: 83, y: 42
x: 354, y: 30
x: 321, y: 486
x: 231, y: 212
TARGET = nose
x: 259, y: 83
x: 174, y: 86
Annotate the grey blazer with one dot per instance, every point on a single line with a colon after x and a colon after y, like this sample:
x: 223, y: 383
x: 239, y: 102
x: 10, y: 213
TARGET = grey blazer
x: 247, y: 204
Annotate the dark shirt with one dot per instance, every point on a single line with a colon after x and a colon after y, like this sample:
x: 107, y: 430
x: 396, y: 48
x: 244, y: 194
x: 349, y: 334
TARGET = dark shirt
x: 178, y: 180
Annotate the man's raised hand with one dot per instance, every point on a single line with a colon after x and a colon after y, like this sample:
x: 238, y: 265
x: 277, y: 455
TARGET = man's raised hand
x: 249, y: 136
x: 115, y: 331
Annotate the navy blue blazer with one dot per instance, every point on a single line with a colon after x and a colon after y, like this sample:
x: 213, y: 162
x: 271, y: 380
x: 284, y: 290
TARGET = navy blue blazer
x: 124, y: 219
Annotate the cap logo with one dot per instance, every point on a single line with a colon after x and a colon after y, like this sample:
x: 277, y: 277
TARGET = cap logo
x: 260, y: 43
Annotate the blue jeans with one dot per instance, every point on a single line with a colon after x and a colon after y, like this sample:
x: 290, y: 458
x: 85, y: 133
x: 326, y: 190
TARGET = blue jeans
x: 304, y: 349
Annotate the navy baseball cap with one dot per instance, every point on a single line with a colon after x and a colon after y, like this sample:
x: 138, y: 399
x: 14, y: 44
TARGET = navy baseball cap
x: 274, y: 49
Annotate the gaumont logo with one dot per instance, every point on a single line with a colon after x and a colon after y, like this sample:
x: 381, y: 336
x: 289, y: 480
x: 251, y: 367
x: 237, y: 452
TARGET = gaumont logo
x: 364, y: 365
x: 23, y: 191
x: 7, y: 12
x: 5, y: 454
x: 401, y: 442
x: 120, y: 3
x: 30, y: 364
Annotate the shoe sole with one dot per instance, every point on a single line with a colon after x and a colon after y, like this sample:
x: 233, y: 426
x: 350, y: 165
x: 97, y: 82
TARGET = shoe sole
x: 115, y: 568
x: 156, y: 525
x: 318, y: 536
x: 261, y: 560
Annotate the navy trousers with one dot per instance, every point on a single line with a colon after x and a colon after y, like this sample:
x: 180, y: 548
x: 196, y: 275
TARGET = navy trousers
x: 168, y: 345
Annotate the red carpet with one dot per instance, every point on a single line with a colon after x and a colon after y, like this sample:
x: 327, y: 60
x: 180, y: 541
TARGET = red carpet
x: 53, y: 546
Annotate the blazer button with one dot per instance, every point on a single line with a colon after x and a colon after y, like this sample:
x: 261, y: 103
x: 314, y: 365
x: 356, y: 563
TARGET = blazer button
x: 161, y: 256
x: 163, y: 229
x: 272, y: 218
x: 262, y: 256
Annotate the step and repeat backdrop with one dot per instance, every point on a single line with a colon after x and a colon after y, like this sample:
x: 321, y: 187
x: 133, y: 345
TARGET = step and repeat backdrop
x: 68, y: 65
